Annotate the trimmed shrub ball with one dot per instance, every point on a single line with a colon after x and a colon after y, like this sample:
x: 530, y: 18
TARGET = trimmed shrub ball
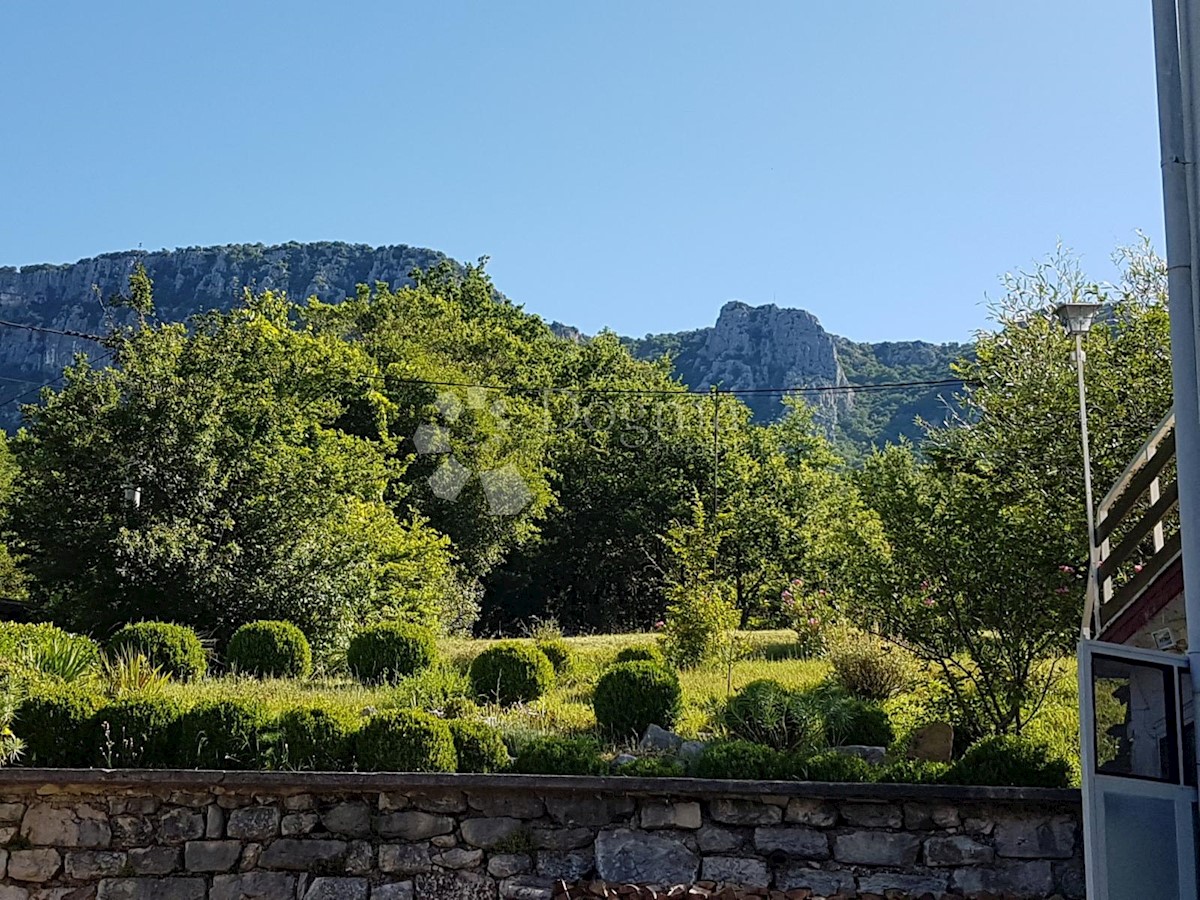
x: 225, y: 734
x: 1009, y: 761
x: 269, y: 649
x: 478, y: 746
x: 648, y: 653
x: 316, y: 739
x: 175, y: 649
x: 558, y: 652
x: 138, y: 733
x: 406, y: 740
x: 560, y: 756
x: 827, y: 766
x: 55, y: 724
x: 738, y: 759
x: 390, y: 651
x: 633, y: 695
x: 511, y: 672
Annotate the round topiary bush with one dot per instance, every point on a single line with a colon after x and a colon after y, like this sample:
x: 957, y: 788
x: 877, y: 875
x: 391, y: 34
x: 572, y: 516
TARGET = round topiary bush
x: 560, y: 756
x: 478, y: 746
x: 175, y: 649
x: 224, y: 734
x: 558, y: 652
x: 766, y: 712
x: 653, y: 767
x: 316, y: 739
x: 270, y: 649
x: 137, y: 733
x: 390, y: 651
x: 827, y: 766
x: 1009, y: 761
x: 633, y: 695
x: 405, y: 740
x: 738, y: 759
x: 859, y: 722
x: 55, y: 724
x: 511, y: 672
x: 648, y: 653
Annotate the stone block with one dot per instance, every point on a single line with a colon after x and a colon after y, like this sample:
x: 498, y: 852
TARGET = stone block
x: 253, y: 823
x: 214, y: 822
x: 740, y: 811
x: 560, y: 838
x: 458, y: 858
x: 327, y: 888
x: 179, y: 825
x: 1069, y: 879
x: 454, y: 886
x: 151, y: 889
x: 154, y: 860
x: 569, y: 866
x: 934, y: 743
x: 404, y: 859
x: 795, y: 841
x: 796, y: 876
x: 211, y: 856
x: 253, y: 886
x: 444, y: 841
x: 11, y: 813
x: 348, y: 819
x: 957, y: 850
x: 395, y: 890
x: 251, y: 853
x: 12, y: 892
x: 294, y: 824
x: 926, y: 816
x: 743, y: 871
x: 1046, y: 838
x: 872, y: 756
x: 877, y: 848
x: 413, y: 826
x: 131, y: 830
x: 906, y: 885
x: 77, y: 826
x: 803, y: 811
x: 665, y: 814
x: 527, y: 887
x: 299, y: 802
x: 439, y: 801
x: 1034, y: 878
x: 660, y: 740
x: 872, y: 815
x: 360, y: 858
x: 33, y: 865
x: 590, y: 810
x: 489, y: 833
x: 508, y: 804
x: 303, y: 855
x: 88, y: 865
x: 714, y: 839
x: 639, y: 856
x: 506, y: 865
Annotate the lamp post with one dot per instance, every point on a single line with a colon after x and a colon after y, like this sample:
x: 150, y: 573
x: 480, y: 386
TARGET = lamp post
x: 1077, y: 319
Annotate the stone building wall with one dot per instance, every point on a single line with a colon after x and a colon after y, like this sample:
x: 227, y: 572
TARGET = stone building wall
x: 156, y: 835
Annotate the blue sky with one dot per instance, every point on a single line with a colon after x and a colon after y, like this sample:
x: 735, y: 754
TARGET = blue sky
x: 625, y: 164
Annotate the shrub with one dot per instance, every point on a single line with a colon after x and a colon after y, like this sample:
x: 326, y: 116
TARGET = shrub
x: 127, y: 673
x: 868, y: 667
x: 54, y: 722
x: 648, y: 653
x: 478, y: 746
x: 1009, y: 761
x: 224, y: 734
x: 405, y: 740
x: 912, y: 771
x: 738, y: 759
x: 390, y: 651
x: 440, y: 689
x: 827, y: 766
x: 137, y: 733
x: 653, y: 767
x: 49, y: 650
x: 511, y: 672
x: 175, y: 649
x: 316, y: 739
x: 558, y: 651
x: 633, y: 695
x: 698, y: 622
x: 854, y: 721
x: 766, y: 712
x: 11, y: 746
x: 270, y: 649
x: 560, y: 756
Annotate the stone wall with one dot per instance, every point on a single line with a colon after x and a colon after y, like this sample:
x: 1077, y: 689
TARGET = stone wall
x: 141, y: 835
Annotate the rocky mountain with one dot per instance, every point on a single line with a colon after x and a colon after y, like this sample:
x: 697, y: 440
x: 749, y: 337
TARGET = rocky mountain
x: 749, y: 347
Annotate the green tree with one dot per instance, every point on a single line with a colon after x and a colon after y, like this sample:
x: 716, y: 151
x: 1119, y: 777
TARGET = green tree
x: 12, y: 579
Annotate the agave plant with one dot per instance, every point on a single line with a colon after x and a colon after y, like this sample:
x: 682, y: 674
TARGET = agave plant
x: 128, y: 672
x: 61, y: 656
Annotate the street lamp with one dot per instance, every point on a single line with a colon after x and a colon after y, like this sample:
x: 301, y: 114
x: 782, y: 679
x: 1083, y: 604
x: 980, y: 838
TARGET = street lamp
x: 1077, y: 319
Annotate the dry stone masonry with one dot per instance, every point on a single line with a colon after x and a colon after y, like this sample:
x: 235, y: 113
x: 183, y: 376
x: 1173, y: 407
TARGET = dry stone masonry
x: 95, y: 835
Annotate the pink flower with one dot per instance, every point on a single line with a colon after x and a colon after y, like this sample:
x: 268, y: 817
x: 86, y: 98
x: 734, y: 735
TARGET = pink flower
x: 1067, y: 570
x: 823, y: 593
x: 1137, y: 568
x: 929, y: 601
x: 925, y: 585
x: 787, y: 596
x: 814, y: 622
x: 796, y: 582
x: 660, y: 624
x: 789, y: 602
x: 1061, y: 590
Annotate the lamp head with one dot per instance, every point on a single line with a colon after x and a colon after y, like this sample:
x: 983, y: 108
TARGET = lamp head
x: 1077, y: 318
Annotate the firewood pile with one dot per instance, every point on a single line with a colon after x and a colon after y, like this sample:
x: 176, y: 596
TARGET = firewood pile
x: 708, y: 890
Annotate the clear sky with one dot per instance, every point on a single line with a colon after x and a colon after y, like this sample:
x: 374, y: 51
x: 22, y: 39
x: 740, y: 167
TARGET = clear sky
x: 630, y: 164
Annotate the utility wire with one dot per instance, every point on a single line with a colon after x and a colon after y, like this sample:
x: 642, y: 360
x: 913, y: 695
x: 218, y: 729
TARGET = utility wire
x: 55, y: 380
x: 63, y: 332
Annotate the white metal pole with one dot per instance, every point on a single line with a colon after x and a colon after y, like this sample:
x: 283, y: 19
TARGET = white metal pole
x: 1090, y: 601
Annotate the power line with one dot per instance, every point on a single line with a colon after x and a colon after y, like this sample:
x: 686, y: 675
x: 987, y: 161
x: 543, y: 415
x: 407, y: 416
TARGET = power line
x: 55, y: 380
x: 62, y: 332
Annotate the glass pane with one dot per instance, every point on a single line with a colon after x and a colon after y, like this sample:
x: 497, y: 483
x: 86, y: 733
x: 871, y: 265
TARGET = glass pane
x: 1142, y: 853
x: 1135, y: 719
x: 1189, y: 729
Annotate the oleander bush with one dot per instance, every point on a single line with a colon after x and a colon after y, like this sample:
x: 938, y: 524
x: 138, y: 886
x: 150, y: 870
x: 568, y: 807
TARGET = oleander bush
x: 270, y: 649
x: 315, y: 738
x: 405, y: 740
x: 138, y: 733
x: 631, y: 696
x: 478, y: 746
x: 766, y: 712
x: 174, y: 649
x: 870, y: 668
x: 511, y: 672
x: 225, y: 734
x: 390, y: 651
